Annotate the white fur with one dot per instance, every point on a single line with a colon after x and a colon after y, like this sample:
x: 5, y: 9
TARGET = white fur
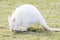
x: 27, y: 14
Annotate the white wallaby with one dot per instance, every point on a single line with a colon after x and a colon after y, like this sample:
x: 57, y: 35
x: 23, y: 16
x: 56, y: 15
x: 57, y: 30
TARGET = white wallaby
x: 27, y: 14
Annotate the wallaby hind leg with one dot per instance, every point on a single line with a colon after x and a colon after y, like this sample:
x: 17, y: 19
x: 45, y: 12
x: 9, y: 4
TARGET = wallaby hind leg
x: 45, y: 29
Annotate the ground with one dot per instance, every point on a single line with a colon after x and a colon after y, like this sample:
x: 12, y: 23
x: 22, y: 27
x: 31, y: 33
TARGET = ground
x: 50, y: 10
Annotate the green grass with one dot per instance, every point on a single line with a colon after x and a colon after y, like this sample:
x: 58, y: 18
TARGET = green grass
x: 50, y: 10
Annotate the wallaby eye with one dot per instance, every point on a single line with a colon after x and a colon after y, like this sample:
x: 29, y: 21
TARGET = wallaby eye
x: 13, y: 25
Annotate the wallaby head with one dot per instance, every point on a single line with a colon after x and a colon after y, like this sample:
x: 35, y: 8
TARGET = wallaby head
x: 11, y: 23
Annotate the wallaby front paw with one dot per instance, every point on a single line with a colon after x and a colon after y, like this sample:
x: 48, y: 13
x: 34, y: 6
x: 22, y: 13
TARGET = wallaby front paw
x: 24, y: 30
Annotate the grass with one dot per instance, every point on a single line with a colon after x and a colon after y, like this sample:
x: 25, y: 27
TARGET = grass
x: 50, y: 10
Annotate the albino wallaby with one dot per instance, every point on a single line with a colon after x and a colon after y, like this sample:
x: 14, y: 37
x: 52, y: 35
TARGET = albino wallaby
x: 27, y: 14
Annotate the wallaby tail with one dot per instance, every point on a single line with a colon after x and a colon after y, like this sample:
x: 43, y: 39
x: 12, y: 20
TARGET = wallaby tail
x: 54, y: 29
x: 44, y: 25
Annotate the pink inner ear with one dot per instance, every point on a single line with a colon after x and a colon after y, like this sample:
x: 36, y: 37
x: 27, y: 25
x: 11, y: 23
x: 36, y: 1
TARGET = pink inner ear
x: 14, y: 19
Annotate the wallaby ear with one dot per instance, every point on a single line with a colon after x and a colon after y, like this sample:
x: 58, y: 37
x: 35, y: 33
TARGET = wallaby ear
x: 9, y: 17
x: 14, y: 19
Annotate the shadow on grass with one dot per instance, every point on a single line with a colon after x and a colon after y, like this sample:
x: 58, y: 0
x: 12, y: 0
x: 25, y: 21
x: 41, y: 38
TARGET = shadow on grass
x: 36, y: 31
